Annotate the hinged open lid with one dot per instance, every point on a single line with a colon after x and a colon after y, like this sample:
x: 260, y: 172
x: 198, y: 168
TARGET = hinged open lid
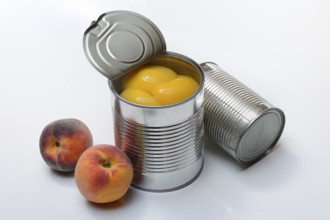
x: 120, y: 41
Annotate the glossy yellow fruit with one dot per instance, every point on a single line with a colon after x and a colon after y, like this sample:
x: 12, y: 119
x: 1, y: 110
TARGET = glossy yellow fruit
x: 140, y: 97
x: 147, y: 77
x: 157, y: 86
x: 175, y: 90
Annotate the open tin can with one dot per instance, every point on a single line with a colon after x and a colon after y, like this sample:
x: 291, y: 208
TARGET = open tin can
x: 165, y: 144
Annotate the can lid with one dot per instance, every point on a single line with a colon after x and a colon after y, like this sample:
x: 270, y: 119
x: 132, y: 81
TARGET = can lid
x: 261, y: 136
x: 120, y: 41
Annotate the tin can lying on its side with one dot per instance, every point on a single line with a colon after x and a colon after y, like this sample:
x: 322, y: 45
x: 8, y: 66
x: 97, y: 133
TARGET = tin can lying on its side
x: 237, y: 119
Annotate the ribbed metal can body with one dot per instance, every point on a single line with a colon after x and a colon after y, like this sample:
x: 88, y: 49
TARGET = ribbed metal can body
x: 165, y: 144
x: 237, y: 119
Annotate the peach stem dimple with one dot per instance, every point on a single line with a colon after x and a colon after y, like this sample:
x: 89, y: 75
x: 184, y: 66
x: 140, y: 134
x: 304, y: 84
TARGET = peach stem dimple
x: 57, y: 144
x: 106, y: 163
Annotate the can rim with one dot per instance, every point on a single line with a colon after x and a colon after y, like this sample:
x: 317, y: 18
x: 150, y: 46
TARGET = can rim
x: 177, y: 55
x: 270, y: 143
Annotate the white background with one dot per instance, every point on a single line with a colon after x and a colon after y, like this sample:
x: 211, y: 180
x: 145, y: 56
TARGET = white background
x: 279, y: 48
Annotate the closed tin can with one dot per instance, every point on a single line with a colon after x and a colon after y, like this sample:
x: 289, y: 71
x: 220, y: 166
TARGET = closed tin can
x: 165, y: 144
x: 237, y: 119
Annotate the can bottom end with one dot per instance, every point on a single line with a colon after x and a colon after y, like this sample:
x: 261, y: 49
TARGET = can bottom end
x: 261, y: 137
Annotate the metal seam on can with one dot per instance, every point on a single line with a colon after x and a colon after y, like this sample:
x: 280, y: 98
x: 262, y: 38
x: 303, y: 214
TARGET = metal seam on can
x: 279, y: 129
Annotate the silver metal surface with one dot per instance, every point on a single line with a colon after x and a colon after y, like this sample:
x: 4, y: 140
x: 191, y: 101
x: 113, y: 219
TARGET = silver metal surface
x: 237, y: 119
x: 165, y: 144
x: 120, y: 41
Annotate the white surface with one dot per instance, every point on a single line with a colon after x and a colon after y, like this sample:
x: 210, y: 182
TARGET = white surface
x: 279, y: 48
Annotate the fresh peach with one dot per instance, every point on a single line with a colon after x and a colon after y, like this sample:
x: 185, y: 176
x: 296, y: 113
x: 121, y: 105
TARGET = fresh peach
x: 62, y: 142
x: 103, y: 173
